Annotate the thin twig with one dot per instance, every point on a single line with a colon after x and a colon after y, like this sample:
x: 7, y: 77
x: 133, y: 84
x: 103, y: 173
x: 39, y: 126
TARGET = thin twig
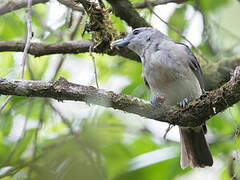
x: 70, y: 37
x: 5, y: 103
x: 94, y: 65
x: 40, y: 122
x: 75, y: 29
x: 65, y: 120
x: 30, y: 71
x: 44, y: 25
x: 198, y: 51
x: 41, y: 115
x: 58, y: 67
x: 29, y: 35
x: 27, y: 46
x: 170, y: 126
x: 206, y: 32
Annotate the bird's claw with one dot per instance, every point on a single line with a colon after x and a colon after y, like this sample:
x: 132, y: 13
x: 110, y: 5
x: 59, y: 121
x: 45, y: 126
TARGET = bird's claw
x: 184, y: 102
x: 157, y: 100
x: 2, y: 79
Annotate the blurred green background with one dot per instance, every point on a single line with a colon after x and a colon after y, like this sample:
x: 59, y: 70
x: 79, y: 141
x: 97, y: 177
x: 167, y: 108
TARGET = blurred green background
x: 47, y: 139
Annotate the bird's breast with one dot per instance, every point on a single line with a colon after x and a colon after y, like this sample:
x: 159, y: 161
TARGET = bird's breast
x: 173, y: 81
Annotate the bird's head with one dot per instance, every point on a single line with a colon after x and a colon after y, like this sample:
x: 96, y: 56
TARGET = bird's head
x: 139, y: 38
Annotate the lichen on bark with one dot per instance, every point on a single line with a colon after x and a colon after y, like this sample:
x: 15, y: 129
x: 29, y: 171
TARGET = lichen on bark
x: 100, y: 25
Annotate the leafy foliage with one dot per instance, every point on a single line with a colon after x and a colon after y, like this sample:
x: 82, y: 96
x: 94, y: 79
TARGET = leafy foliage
x: 45, y: 139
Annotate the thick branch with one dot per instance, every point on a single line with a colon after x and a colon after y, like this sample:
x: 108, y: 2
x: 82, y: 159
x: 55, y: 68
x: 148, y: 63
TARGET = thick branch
x: 10, y: 6
x: 156, y: 3
x: 124, y: 10
x: 193, y: 115
x: 67, y: 47
x: 215, y: 74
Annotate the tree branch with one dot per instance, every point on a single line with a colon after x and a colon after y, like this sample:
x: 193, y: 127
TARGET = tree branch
x: 10, y: 6
x: 124, y: 10
x: 215, y: 74
x: 193, y: 115
x: 28, y: 42
x: 15, y: 5
x: 67, y: 47
x: 40, y: 49
x: 71, y: 4
x: 29, y: 35
x: 156, y: 3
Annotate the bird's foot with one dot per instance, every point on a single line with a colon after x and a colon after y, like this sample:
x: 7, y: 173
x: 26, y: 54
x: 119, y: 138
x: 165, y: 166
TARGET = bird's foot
x: 203, y: 95
x: 157, y: 100
x: 2, y: 79
x: 184, y: 102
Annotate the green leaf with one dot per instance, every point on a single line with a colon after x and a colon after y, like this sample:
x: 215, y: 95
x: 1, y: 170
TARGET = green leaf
x: 6, y: 63
x: 118, y: 23
x: 9, y: 23
x: 102, y: 130
x: 211, y: 5
x: 4, y: 152
x: 117, y: 157
x: 35, y: 105
x: 225, y: 174
x: 71, y: 159
x: 222, y: 123
x: 143, y: 144
x: 39, y: 66
x: 178, y: 21
x: 137, y: 89
x: 223, y: 147
x: 168, y: 170
x: 63, y: 73
x: 5, y: 123
x: 207, y: 52
x: 22, y: 146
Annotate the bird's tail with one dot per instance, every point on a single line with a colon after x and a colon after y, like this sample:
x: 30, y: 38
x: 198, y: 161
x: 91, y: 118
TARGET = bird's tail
x: 194, y: 148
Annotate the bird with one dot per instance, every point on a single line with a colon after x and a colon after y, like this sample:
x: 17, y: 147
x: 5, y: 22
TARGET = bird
x: 171, y: 71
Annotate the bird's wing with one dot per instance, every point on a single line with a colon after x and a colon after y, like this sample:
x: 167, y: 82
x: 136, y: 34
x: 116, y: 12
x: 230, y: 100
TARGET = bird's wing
x: 194, y: 65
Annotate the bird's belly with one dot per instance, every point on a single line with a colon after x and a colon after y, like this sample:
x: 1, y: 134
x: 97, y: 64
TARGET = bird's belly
x: 173, y: 85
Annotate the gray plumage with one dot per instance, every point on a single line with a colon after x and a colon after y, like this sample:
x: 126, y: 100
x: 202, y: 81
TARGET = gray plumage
x: 171, y: 70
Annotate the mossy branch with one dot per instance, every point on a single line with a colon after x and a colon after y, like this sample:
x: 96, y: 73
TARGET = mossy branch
x: 195, y: 114
x: 215, y: 74
x: 100, y: 25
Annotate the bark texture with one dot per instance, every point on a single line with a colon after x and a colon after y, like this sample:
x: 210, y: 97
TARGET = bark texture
x: 193, y: 115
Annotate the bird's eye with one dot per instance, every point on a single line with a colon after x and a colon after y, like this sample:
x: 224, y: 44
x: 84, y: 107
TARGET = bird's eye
x: 135, y: 32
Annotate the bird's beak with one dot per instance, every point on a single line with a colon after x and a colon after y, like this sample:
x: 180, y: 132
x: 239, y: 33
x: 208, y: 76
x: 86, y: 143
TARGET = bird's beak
x: 120, y: 42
